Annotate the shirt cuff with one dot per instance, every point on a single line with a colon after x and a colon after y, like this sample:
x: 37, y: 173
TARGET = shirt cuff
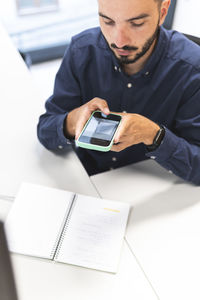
x: 63, y: 142
x: 166, y: 148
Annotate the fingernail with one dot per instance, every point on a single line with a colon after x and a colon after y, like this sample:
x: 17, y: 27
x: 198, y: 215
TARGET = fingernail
x: 76, y: 136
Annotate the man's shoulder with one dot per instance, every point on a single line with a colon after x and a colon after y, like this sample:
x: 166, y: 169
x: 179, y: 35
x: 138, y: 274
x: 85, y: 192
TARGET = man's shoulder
x: 89, y: 37
x: 181, y: 48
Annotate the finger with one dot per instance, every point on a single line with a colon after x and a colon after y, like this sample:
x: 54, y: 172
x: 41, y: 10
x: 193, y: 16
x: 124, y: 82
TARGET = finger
x: 119, y: 147
x: 119, y: 135
x: 87, y: 110
x: 123, y: 139
x: 123, y: 128
x: 102, y: 105
x: 81, y: 123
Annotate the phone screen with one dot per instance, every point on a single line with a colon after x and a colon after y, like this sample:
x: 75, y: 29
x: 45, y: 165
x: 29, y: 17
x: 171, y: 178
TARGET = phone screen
x: 100, y: 129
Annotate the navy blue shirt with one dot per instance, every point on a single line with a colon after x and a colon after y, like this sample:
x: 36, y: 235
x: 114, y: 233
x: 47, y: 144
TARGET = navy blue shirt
x: 166, y: 90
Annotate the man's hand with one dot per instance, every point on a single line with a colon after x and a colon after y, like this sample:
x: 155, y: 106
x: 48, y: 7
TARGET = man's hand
x: 134, y: 129
x: 77, y: 118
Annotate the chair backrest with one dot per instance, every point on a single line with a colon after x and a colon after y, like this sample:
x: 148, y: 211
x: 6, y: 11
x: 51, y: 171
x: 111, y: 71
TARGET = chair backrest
x: 193, y: 38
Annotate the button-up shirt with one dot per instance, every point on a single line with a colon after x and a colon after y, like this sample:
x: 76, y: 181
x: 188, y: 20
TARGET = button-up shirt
x: 166, y: 90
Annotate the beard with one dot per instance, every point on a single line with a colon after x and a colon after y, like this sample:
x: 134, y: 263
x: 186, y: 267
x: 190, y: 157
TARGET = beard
x: 125, y: 60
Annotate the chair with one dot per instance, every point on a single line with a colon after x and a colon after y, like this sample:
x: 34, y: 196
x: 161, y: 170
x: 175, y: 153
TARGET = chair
x: 193, y: 38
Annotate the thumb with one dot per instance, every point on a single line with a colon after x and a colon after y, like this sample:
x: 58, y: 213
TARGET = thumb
x: 80, y: 125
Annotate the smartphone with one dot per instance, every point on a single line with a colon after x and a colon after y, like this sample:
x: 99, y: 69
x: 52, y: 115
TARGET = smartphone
x: 98, y: 133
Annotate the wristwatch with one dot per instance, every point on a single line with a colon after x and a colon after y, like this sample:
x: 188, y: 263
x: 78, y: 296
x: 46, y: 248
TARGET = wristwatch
x: 157, y: 140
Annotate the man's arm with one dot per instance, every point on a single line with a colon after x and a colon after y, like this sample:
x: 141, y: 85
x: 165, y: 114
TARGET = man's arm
x: 66, y: 97
x: 179, y: 157
x: 65, y: 114
x: 179, y: 151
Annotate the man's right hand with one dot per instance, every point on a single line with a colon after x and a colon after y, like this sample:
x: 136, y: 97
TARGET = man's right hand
x: 77, y: 118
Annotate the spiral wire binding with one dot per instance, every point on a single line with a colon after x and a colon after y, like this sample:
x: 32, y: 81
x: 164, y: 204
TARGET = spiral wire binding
x: 60, y: 237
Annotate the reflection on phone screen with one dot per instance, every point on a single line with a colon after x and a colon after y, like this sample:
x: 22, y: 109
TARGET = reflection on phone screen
x: 101, y: 129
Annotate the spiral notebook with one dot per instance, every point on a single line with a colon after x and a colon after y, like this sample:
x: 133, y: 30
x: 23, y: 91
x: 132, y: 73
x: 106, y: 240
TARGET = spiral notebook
x: 67, y: 227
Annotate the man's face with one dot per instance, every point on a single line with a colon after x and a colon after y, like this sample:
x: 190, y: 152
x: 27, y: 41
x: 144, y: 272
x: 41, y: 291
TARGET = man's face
x: 130, y: 26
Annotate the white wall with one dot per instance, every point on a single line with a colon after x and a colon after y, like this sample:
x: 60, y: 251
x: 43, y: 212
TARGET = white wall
x: 187, y: 17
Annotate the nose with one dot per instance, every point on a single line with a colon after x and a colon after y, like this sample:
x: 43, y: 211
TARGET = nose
x: 121, y: 37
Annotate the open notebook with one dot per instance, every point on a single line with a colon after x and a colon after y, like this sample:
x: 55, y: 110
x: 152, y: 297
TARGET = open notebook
x: 67, y: 227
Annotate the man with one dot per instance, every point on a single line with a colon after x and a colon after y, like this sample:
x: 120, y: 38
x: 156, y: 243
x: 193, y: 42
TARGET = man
x: 133, y: 66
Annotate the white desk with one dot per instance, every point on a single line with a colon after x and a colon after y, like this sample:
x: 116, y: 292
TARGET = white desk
x: 24, y: 159
x: 164, y: 227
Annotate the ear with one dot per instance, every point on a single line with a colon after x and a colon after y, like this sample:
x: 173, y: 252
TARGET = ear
x: 164, y: 10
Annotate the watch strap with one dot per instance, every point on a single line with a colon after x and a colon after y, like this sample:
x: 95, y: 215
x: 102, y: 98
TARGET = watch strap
x: 157, y: 139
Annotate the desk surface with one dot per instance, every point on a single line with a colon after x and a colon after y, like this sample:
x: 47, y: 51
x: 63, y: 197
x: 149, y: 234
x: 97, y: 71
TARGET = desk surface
x: 22, y: 157
x: 164, y: 226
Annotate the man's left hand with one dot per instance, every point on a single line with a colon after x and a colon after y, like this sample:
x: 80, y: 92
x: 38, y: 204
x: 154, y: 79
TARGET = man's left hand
x: 134, y: 129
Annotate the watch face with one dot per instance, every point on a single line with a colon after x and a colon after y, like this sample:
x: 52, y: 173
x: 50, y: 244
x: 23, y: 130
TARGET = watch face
x: 159, y: 136
x: 157, y: 140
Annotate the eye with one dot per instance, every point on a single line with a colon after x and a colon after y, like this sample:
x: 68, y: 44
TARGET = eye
x: 133, y: 24
x: 110, y: 23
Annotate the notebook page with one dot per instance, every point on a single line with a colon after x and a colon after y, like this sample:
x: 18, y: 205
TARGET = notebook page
x: 35, y: 219
x: 95, y: 234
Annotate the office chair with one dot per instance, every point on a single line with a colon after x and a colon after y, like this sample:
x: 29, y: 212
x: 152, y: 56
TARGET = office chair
x: 193, y: 38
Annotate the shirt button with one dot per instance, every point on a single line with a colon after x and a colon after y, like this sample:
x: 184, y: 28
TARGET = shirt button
x: 147, y: 73
x: 153, y: 157
x: 115, y: 68
x: 129, y: 85
x: 60, y: 147
x: 170, y: 172
x: 124, y: 111
x: 120, y: 70
x: 114, y: 159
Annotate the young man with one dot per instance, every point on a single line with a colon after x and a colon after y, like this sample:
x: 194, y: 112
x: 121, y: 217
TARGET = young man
x: 133, y: 66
